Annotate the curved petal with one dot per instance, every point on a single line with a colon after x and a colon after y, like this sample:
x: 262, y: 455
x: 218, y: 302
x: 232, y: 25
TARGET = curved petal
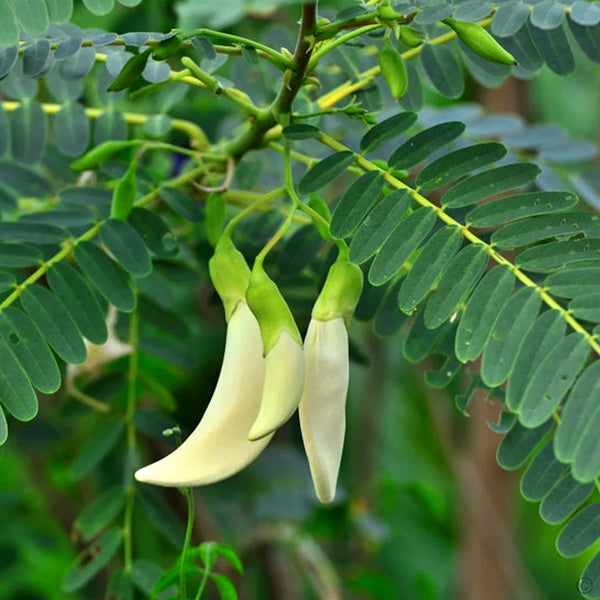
x: 284, y: 381
x: 219, y: 446
x: 323, y: 406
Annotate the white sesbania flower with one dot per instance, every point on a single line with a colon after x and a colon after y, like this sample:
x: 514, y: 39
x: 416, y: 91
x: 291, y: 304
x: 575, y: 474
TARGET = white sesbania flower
x: 219, y: 446
x: 322, y: 408
x: 284, y: 356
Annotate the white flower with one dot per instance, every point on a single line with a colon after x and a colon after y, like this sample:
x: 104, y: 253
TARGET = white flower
x: 322, y: 408
x: 284, y: 381
x: 219, y: 446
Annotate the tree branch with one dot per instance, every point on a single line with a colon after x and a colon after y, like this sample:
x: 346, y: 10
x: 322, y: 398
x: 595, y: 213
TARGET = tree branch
x: 293, y: 80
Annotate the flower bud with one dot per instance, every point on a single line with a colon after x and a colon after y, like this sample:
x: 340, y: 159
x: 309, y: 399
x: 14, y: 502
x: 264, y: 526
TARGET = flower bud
x: 284, y: 356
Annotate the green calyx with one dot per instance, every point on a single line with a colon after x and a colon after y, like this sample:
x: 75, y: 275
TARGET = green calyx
x: 229, y: 273
x: 341, y: 292
x: 270, y: 309
x: 477, y: 39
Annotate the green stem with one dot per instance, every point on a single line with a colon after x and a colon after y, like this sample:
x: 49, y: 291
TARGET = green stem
x: 214, y: 85
x: 132, y: 375
x: 252, y: 208
x: 186, y: 543
x: 276, y: 56
x: 326, y: 48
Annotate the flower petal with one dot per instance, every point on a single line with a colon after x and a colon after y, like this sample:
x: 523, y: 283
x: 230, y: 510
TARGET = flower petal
x: 323, y: 406
x: 284, y: 381
x: 219, y: 446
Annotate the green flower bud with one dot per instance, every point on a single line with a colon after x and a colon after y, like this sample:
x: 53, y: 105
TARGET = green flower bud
x: 477, y: 39
x: 95, y: 157
x: 229, y: 273
x: 167, y: 48
x: 393, y: 70
x: 270, y: 309
x: 124, y: 194
x: 409, y: 36
x: 341, y: 292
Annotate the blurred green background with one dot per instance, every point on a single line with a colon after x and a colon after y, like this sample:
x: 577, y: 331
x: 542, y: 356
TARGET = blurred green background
x: 423, y: 510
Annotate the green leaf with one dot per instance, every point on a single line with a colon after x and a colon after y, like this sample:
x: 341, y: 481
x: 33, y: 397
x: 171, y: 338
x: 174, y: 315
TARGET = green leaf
x: 580, y: 532
x: 443, y: 70
x: 300, y: 131
x: 33, y: 16
x: 60, y: 11
x: 225, y: 587
x: 378, y: 225
x: 589, y: 582
x: 547, y: 15
x: 402, y: 242
x: 586, y: 307
x: 509, y: 18
x: 455, y: 164
x: 543, y: 472
x: 510, y: 329
x: 182, y: 204
x: 215, y: 217
x: 16, y: 393
x: 7, y: 281
x: 458, y: 280
x: 562, y: 500
x: 535, y: 229
x: 386, y: 130
x: 521, y: 46
x: 97, y: 447
x: 576, y: 439
x: 518, y: 445
x: 30, y: 349
x: 106, y: 276
x: 131, y: 72
x: 92, y: 560
x: 420, y: 340
x: 547, y: 331
x: 429, y: 265
x: 424, y: 143
x: 127, y: 246
x: 71, y: 127
x: 36, y: 233
x: 101, y: 512
x: 355, y: 203
x: 9, y: 32
x: 154, y: 232
x: 555, y: 254
x: 520, y: 206
x: 489, y: 183
x: 554, y: 48
x: 325, y: 171
x: 388, y: 317
x: 587, y: 38
x: 99, y: 7
x: 226, y: 552
x: 571, y: 283
x: 24, y: 180
x: 80, y: 301
x: 55, y: 322
x: 28, y: 132
x: 552, y: 379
